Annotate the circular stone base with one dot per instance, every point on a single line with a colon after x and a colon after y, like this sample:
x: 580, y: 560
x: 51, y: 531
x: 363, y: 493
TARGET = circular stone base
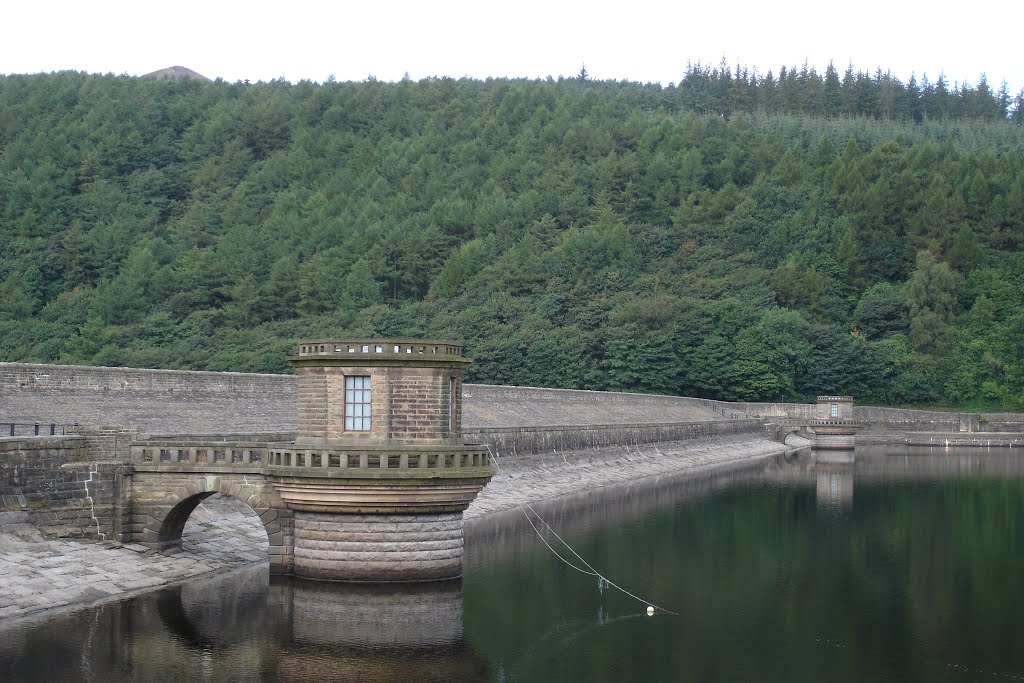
x: 378, y: 548
x: 834, y: 441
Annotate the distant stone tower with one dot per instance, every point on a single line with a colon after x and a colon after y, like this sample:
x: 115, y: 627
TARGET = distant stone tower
x: 833, y: 424
x: 378, y: 475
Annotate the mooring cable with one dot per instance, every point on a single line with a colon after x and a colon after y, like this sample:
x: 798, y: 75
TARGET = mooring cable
x: 524, y: 505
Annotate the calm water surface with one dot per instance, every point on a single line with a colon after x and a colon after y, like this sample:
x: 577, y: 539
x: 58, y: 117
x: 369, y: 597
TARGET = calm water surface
x: 900, y: 566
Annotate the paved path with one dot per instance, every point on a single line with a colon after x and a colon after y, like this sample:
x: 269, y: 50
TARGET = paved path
x: 224, y: 533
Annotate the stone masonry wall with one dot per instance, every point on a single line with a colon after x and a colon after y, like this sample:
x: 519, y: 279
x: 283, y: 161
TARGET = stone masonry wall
x: 106, y: 443
x: 884, y: 424
x: 48, y: 478
x: 158, y: 494
x: 312, y: 397
x: 418, y: 405
x: 530, y: 440
x: 149, y: 401
x: 175, y: 402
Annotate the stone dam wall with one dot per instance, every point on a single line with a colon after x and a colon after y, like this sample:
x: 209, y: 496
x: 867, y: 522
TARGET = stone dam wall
x: 77, y: 484
x: 881, y: 425
x: 188, y: 402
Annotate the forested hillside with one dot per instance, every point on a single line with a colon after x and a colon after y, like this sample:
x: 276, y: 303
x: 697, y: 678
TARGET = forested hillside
x: 738, y: 238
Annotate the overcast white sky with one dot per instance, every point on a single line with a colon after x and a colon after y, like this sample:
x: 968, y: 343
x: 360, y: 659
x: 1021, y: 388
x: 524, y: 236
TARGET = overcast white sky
x: 637, y: 40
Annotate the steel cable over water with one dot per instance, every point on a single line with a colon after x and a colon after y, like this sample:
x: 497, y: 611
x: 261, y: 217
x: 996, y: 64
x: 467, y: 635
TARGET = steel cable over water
x: 524, y: 505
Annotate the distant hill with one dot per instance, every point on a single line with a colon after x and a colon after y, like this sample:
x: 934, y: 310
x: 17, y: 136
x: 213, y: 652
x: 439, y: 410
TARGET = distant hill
x: 691, y: 240
x: 176, y: 72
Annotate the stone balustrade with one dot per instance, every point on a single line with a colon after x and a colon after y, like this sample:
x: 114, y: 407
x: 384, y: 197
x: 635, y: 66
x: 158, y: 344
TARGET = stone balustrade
x: 374, y: 347
x: 308, y: 461
x: 200, y: 454
x: 415, y: 458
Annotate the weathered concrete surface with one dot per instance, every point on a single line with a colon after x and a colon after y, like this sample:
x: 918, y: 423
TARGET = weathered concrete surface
x: 224, y: 533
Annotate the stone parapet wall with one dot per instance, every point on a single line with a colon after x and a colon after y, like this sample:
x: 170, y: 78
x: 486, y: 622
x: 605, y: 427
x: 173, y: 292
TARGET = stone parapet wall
x: 505, y: 406
x: 106, y: 443
x: 150, y: 401
x: 88, y: 378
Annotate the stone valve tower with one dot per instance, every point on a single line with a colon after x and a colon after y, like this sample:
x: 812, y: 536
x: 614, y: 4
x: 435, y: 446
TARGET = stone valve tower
x: 379, y: 476
x: 833, y: 425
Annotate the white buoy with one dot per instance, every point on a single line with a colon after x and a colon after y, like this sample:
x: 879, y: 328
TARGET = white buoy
x: 650, y: 611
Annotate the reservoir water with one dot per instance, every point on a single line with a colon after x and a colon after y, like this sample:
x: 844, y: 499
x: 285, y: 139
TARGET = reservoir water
x: 898, y: 565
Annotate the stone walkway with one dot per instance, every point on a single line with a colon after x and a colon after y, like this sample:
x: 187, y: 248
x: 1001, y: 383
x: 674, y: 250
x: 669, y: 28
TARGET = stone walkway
x: 41, y: 574
x: 224, y: 533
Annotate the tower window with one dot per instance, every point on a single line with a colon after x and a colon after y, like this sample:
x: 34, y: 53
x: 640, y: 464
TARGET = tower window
x: 357, y: 403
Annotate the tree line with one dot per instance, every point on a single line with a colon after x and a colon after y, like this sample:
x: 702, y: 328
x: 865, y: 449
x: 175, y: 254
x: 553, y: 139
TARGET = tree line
x: 573, y: 233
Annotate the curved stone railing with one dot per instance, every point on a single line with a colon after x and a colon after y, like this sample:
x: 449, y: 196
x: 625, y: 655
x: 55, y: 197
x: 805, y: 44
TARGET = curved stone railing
x: 834, y: 422
x: 407, y: 458
x: 300, y: 461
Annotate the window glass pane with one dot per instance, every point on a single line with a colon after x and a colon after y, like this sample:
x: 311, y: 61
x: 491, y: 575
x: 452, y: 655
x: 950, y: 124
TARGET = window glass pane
x: 357, y: 403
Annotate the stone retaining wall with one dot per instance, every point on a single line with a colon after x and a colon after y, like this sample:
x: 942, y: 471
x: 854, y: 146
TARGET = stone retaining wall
x: 48, y: 478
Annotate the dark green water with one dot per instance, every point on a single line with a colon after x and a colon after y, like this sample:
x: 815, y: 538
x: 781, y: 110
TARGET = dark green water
x: 894, y: 568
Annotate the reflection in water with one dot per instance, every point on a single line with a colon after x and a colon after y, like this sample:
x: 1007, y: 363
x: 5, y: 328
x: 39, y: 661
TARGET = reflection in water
x: 918, y: 581
x: 833, y: 471
x: 246, y: 626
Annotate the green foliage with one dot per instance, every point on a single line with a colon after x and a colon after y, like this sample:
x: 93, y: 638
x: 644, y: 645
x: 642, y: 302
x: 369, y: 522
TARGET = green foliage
x: 735, y: 236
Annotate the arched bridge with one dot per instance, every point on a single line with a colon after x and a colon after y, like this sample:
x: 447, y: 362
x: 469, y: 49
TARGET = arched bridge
x: 170, y: 478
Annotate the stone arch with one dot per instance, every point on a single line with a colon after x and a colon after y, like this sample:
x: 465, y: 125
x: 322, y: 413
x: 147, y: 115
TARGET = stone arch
x: 162, y: 504
x: 169, y: 535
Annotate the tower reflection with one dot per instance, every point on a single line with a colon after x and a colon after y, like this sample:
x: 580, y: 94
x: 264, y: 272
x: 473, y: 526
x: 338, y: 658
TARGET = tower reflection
x: 293, y: 629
